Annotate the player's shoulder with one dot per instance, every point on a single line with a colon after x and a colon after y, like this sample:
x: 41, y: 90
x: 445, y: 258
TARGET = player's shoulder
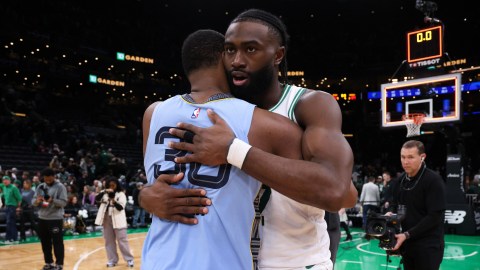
x: 317, y: 107
x: 316, y: 96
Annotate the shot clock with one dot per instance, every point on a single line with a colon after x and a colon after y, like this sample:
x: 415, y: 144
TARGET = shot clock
x: 424, y: 44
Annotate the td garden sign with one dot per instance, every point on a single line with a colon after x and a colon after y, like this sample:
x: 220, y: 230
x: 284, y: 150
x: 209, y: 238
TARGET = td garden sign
x: 96, y: 79
x: 127, y: 57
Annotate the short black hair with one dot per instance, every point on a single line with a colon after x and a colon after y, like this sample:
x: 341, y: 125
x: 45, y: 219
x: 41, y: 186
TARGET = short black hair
x: 415, y: 144
x: 48, y: 172
x: 202, y: 48
x: 275, y: 26
x: 113, y: 179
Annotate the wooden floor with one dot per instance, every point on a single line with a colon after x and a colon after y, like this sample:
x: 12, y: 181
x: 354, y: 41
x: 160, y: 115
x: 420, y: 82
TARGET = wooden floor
x: 80, y: 254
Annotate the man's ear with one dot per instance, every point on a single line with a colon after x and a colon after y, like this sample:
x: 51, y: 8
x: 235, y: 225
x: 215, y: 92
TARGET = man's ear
x: 279, y: 55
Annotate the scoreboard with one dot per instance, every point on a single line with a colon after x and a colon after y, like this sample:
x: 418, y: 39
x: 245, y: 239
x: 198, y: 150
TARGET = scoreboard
x: 425, y: 44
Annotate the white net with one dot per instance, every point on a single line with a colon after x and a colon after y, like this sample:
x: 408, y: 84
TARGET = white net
x: 413, y: 126
x: 413, y: 129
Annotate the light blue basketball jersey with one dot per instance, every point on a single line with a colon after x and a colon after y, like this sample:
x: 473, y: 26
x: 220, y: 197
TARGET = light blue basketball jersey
x: 221, y: 239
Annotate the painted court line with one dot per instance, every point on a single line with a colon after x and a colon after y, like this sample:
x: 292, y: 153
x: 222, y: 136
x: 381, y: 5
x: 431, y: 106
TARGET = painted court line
x: 85, y: 256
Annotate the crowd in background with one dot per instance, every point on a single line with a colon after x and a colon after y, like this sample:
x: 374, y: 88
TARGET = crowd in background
x: 84, y: 176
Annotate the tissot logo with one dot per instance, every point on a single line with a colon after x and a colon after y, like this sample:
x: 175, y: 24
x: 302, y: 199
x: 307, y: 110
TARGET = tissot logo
x: 425, y: 63
x: 452, y: 175
x: 455, y: 216
x: 453, y: 159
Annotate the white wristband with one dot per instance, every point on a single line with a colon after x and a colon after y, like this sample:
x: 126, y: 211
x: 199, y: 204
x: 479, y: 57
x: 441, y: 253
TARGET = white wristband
x: 237, y: 152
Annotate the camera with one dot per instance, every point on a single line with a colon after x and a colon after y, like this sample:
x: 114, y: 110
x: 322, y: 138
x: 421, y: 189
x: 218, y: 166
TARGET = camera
x: 384, y: 228
x: 111, y: 195
x: 46, y: 196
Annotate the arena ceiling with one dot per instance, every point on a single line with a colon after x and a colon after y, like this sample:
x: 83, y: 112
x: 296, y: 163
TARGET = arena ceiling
x: 359, y: 39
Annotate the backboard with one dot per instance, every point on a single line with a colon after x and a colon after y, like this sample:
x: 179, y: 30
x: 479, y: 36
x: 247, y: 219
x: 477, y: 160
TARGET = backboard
x: 437, y: 97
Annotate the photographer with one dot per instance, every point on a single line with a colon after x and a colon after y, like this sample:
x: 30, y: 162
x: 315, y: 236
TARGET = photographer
x: 111, y: 215
x: 422, y: 192
x: 51, y: 197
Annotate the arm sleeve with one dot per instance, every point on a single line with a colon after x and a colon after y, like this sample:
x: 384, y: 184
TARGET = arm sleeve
x: 118, y: 206
x: 431, y: 220
x: 98, y: 197
x: 120, y: 202
x: 37, y: 193
x: 18, y: 197
x: 362, y: 195
x: 62, y: 199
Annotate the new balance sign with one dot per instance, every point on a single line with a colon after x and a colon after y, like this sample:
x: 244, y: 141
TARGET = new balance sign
x: 455, y: 217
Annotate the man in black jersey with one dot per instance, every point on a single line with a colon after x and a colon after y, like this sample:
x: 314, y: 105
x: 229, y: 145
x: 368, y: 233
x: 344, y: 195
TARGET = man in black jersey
x: 422, y: 192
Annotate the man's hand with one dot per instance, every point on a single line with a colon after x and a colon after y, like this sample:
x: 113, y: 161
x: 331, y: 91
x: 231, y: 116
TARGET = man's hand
x: 210, y: 145
x: 400, y: 239
x: 39, y: 199
x: 173, y: 204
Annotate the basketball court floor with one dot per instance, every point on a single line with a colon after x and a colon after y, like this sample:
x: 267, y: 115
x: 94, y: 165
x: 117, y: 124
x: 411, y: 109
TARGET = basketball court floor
x: 86, y: 252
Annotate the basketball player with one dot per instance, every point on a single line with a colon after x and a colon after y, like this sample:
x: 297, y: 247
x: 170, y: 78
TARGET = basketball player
x: 221, y: 239
x: 255, y: 49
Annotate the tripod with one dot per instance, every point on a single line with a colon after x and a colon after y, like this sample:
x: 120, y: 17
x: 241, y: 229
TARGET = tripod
x: 390, y: 261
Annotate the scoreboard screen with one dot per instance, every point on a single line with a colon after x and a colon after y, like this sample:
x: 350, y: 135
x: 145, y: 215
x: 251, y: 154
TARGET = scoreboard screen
x: 424, y: 44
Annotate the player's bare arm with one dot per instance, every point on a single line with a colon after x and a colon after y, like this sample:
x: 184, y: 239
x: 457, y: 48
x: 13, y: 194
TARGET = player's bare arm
x: 164, y: 201
x: 324, y: 143
x: 309, y: 181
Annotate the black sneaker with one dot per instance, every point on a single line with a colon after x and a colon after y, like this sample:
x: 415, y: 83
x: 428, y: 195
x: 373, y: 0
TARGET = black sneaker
x: 48, y: 266
x: 58, y: 267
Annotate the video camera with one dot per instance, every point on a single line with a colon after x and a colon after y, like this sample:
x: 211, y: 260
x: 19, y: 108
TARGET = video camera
x: 384, y: 228
x: 46, y: 196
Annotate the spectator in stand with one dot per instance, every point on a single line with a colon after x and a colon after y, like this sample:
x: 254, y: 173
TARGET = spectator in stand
x: 72, y: 168
x: 88, y: 195
x: 13, y: 202
x: 55, y: 163
x: 18, y: 184
x: 139, y: 212
x: 25, y: 176
x: 62, y: 175
x: 14, y: 174
x: 72, y: 207
x: 83, y: 180
x: 35, y: 182
x: 98, y: 185
x: 55, y: 149
x: 474, y: 187
x: 83, y: 165
x: 70, y: 190
x: 27, y: 209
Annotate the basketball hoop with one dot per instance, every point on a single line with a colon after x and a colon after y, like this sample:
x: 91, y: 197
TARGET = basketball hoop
x: 413, y: 122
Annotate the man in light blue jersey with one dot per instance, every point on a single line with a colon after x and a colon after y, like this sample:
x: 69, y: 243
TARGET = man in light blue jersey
x: 221, y: 239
